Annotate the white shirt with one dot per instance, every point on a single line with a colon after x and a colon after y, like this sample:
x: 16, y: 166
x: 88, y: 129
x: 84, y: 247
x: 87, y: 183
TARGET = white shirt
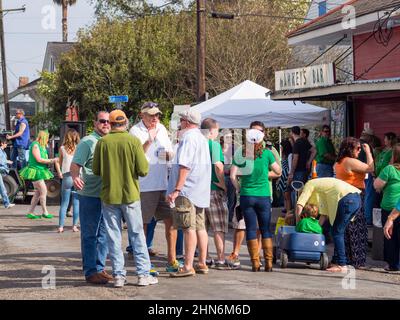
x: 67, y: 159
x: 157, y: 178
x: 193, y: 153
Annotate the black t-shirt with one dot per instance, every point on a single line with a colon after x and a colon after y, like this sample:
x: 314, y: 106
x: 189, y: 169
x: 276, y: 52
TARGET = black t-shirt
x: 302, y: 148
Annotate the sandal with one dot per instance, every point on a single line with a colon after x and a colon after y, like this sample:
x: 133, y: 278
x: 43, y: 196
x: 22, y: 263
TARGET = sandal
x: 60, y: 230
x: 33, y: 216
x: 75, y: 229
x: 337, y: 268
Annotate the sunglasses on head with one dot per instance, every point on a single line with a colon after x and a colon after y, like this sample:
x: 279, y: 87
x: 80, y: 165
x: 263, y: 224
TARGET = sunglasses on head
x: 150, y: 105
x: 103, y: 121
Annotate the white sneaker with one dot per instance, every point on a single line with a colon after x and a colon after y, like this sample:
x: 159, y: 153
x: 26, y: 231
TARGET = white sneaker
x: 10, y: 205
x: 145, y: 280
x: 119, y: 281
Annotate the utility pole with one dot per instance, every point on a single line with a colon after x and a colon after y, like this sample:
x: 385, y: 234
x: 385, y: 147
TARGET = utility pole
x: 201, y: 50
x: 3, y: 66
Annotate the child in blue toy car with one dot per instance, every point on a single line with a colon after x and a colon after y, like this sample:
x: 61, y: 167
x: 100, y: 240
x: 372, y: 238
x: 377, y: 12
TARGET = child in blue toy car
x: 309, y: 222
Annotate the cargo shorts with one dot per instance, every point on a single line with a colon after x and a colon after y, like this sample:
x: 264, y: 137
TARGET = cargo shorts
x: 186, y: 215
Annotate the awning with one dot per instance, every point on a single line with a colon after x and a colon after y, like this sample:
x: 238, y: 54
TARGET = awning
x: 341, y: 91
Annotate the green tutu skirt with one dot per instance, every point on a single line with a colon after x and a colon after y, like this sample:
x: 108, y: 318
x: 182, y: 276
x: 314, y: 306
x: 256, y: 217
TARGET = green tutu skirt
x: 34, y: 174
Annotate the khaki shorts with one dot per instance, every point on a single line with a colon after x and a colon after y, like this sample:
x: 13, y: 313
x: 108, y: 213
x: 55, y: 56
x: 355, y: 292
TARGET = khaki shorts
x: 185, y: 215
x: 154, y: 205
x: 217, y: 213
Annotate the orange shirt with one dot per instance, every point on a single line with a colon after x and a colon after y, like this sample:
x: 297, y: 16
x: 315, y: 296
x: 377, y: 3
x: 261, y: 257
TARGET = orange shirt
x: 356, y: 179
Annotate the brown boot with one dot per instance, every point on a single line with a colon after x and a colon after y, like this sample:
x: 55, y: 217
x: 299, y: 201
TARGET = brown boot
x: 268, y: 253
x: 252, y: 245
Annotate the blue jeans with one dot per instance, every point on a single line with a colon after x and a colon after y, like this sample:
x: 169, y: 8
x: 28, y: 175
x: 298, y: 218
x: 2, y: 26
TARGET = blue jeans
x: 132, y: 214
x: 370, y: 198
x: 18, y: 153
x: 231, y: 194
x: 391, y: 247
x: 93, y: 235
x: 179, y: 243
x: 348, y: 206
x: 67, y: 190
x: 256, y: 209
x: 3, y: 192
x: 324, y: 170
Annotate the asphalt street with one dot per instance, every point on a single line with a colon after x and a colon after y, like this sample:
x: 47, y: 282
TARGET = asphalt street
x: 31, y: 250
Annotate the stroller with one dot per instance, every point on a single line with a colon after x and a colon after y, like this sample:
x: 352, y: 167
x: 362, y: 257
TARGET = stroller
x: 292, y: 246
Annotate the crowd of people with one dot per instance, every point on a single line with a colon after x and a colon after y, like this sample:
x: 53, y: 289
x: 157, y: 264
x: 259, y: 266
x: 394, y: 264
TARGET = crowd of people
x: 119, y: 176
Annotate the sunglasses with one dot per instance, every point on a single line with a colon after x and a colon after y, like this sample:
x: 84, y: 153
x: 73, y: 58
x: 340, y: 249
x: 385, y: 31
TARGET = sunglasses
x: 150, y: 105
x: 104, y: 121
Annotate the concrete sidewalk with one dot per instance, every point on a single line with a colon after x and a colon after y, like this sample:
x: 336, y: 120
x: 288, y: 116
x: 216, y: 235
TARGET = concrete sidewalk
x: 27, y: 246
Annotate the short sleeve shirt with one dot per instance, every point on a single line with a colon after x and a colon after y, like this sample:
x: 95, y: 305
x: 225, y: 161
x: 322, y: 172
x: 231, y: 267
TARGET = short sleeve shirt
x: 157, y: 178
x: 302, y: 148
x: 254, y: 174
x: 391, y: 191
x: 323, y: 146
x: 84, y: 157
x: 193, y: 153
x: 216, y: 155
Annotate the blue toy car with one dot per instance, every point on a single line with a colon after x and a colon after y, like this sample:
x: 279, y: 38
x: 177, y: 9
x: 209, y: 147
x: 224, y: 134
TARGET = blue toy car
x: 303, y: 247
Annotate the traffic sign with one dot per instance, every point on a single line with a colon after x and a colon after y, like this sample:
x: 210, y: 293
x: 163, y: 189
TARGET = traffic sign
x: 117, y: 99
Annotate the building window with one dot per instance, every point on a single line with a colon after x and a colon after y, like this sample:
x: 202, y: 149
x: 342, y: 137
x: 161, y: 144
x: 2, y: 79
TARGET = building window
x: 321, y: 8
x: 52, y: 65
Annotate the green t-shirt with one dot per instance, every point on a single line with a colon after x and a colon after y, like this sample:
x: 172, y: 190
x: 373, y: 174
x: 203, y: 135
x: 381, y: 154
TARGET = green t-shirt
x: 254, y: 178
x: 119, y: 160
x: 323, y: 146
x: 216, y: 155
x: 309, y: 225
x: 391, y: 191
x: 84, y: 157
x: 43, y: 154
x: 382, y: 160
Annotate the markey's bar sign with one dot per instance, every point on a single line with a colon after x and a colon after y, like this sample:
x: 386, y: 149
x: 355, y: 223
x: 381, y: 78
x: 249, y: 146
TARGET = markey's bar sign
x: 307, y: 77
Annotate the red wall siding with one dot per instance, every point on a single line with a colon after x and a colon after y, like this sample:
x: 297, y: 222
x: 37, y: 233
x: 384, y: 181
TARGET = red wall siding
x: 370, y: 52
x: 383, y: 115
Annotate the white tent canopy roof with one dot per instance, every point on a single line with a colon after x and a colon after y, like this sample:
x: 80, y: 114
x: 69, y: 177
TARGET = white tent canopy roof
x: 248, y: 101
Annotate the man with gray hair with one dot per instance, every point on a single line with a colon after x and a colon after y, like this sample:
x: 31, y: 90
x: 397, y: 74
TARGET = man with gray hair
x: 119, y: 160
x: 20, y: 140
x: 189, y: 191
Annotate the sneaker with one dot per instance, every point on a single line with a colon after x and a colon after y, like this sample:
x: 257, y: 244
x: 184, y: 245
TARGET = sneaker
x: 210, y: 262
x: 201, y: 268
x: 10, y: 205
x: 153, y: 271
x: 233, y: 261
x: 47, y: 215
x: 32, y: 216
x: 173, y: 267
x: 222, y: 266
x: 145, y: 280
x: 119, y: 281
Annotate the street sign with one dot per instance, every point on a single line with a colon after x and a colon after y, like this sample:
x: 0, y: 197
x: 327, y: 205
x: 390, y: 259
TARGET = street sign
x: 117, y: 99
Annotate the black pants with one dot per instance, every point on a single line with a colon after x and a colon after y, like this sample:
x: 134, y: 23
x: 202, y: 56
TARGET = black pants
x: 391, y: 248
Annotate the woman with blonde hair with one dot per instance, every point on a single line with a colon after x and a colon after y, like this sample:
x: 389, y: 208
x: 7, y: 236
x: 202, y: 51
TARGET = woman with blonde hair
x: 37, y: 171
x: 67, y: 150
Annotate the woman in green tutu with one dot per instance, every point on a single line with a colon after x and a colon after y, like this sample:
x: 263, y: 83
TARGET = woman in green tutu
x: 37, y: 171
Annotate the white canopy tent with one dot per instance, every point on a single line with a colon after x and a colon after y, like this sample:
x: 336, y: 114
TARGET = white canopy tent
x: 248, y: 101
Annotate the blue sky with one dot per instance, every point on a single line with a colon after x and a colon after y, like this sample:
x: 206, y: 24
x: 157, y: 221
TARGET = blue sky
x: 26, y: 38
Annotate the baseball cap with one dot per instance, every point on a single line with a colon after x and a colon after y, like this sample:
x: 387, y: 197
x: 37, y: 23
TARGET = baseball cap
x: 150, y: 108
x: 254, y: 136
x: 191, y: 115
x: 117, y: 116
x: 368, y: 131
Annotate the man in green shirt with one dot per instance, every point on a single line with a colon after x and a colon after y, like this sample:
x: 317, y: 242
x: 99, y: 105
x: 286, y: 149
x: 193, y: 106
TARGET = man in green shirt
x: 326, y: 154
x: 217, y: 214
x: 119, y: 160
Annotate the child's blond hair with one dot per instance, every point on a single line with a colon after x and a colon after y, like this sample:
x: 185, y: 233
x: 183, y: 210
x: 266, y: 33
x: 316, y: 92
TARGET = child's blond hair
x: 310, y: 211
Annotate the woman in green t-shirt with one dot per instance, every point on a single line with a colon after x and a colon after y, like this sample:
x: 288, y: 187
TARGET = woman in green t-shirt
x: 389, y: 183
x: 255, y: 194
x: 37, y: 171
x: 383, y: 158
